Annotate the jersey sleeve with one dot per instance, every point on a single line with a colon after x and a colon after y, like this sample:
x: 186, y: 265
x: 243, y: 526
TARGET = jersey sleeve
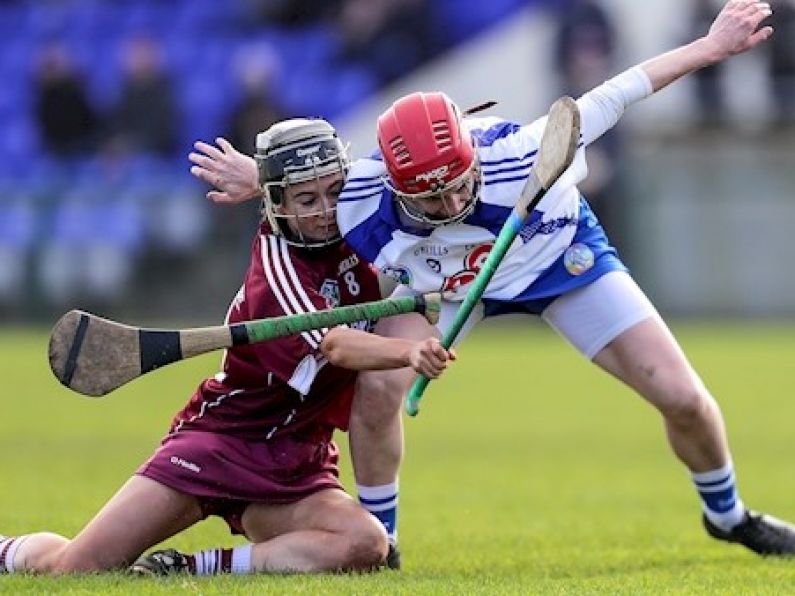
x: 601, y: 108
x: 364, y: 201
x: 278, y: 285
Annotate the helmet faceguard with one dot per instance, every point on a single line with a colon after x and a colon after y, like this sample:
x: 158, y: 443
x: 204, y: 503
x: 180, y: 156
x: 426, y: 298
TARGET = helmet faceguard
x: 428, y: 154
x: 291, y: 152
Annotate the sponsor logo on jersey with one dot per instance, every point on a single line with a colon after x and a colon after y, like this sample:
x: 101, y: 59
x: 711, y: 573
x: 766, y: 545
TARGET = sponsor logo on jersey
x: 435, y: 265
x: 435, y: 174
x: 431, y: 250
x: 473, y: 263
x: 188, y: 465
x: 578, y: 258
x: 545, y: 228
x: 400, y: 274
x: 348, y: 263
x: 330, y: 290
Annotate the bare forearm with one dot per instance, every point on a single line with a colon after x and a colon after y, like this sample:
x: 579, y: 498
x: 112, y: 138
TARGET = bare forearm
x: 357, y: 350
x: 666, y: 68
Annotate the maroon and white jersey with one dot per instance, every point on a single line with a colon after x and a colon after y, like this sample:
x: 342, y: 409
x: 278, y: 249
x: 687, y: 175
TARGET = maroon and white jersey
x: 284, y: 383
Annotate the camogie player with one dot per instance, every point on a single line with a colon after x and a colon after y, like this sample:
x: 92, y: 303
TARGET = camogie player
x: 427, y: 208
x: 254, y: 444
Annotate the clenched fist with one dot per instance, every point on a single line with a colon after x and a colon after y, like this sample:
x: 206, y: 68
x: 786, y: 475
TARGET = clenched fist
x: 428, y: 357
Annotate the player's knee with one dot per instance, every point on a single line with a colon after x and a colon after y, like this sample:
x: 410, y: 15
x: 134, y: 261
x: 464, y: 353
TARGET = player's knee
x: 367, y: 544
x: 379, y: 394
x: 687, y: 404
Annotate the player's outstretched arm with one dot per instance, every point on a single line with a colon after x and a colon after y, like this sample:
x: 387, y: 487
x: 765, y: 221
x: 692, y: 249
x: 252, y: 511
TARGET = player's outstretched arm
x: 358, y: 350
x: 232, y: 173
x: 735, y: 30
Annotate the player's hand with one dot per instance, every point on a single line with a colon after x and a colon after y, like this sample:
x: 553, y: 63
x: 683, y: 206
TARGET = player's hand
x: 428, y: 357
x: 736, y: 28
x: 232, y: 173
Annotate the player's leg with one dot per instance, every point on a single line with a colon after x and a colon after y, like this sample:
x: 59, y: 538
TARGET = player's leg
x: 376, y: 431
x: 142, y: 513
x: 327, y: 531
x: 612, y: 322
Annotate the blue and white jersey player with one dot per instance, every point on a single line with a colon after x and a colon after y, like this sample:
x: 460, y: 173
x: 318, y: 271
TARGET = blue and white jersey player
x: 426, y: 209
x: 386, y: 214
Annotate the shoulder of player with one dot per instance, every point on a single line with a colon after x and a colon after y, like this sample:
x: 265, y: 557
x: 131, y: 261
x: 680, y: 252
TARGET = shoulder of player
x: 364, y: 180
x: 275, y: 264
x: 506, y: 152
x: 362, y: 194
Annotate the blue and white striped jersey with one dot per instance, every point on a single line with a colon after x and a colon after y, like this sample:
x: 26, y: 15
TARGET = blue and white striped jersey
x: 448, y: 257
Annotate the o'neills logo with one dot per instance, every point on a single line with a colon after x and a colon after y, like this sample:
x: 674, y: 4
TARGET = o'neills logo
x: 188, y: 465
x: 436, y: 174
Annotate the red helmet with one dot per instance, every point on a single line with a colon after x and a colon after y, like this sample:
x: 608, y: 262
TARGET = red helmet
x: 425, y: 148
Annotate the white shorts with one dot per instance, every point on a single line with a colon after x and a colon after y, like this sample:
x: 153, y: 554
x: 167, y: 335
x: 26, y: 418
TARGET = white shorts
x: 589, y: 317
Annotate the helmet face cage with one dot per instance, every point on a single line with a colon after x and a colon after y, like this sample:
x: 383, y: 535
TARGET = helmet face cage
x: 408, y: 205
x: 291, y: 152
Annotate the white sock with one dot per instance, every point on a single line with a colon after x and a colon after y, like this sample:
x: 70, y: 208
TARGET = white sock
x: 382, y: 502
x: 8, y: 550
x: 241, y: 560
x: 214, y: 561
x: 721, y: 502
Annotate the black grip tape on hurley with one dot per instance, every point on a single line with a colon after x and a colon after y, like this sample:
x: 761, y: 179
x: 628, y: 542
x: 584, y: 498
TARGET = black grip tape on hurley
x: 158, y: 348
x: 74, y: 351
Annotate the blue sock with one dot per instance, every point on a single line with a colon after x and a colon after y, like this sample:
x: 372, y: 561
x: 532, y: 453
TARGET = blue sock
x: 382, y: 502
x: 718, y: 490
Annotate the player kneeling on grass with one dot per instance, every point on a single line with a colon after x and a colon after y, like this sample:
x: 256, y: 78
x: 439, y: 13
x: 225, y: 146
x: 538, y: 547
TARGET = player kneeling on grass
x: 254, y: 444
x: 444, y: 186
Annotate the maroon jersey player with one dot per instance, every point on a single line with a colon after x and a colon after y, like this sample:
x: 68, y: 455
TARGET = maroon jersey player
x: 254, y: 444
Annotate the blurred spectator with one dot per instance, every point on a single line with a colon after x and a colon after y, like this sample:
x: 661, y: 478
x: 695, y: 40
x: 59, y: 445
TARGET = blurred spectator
x: 67, y: 122
x: 145, y: 117
x: 389, y: 37
x: 711, y: 105
x: 256, y: 69
x: 585, y: 48
x: 781, y: 62
x: 291, y: 13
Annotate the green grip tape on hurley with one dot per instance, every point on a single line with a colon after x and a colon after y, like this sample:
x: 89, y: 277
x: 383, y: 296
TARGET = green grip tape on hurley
x: 266, y: 329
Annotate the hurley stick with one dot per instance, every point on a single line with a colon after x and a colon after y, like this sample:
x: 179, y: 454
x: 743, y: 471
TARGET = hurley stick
x: 558, y: 146
x: 94, y: 356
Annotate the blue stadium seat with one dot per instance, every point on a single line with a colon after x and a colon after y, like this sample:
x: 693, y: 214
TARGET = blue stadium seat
x: 459, y: 19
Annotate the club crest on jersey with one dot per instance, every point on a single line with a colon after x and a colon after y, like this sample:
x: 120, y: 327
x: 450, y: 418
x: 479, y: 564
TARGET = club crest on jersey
x: 473, y: 263
x: 434, y: 264
x: 330, y: 290
x: 400, y: 274
x: 578, y: 259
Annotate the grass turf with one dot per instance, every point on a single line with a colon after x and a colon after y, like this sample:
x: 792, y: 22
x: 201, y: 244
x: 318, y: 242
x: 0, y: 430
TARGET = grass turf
x: 528, y: 471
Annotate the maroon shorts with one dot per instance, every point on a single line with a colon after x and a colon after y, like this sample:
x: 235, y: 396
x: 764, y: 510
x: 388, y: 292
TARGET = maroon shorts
x: 227, y: 473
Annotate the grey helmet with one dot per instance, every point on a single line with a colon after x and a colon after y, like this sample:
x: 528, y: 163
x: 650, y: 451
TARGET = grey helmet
x: 293, y: 151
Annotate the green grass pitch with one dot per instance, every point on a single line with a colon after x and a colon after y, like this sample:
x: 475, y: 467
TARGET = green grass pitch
x: 528, y: 471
